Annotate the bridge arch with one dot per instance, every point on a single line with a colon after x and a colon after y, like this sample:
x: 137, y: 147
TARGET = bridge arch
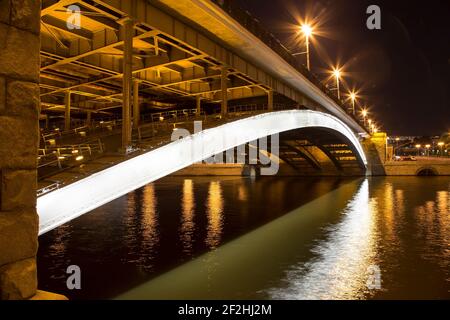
x: 427, y: 171
x: 328, y: 149
x: 71, y: 201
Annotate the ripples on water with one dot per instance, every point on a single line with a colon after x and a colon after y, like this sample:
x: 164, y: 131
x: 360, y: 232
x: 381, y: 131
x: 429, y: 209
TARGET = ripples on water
x: 282, y: 238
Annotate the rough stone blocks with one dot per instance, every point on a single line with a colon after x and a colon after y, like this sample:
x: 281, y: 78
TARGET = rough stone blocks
x: 18, y: 280
x: 18, y: 189
x: 18, y: 235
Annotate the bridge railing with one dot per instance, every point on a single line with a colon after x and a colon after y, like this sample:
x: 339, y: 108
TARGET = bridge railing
x: 55, y: 159
x: 252, y: 24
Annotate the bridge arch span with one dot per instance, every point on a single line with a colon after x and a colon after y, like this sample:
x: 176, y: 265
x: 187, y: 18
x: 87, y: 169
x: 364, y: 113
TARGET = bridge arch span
x: 71, y: 201
x: 427, y: 171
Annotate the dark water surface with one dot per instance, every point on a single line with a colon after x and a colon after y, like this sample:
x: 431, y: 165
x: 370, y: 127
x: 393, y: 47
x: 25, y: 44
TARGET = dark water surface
x: 280, y: 238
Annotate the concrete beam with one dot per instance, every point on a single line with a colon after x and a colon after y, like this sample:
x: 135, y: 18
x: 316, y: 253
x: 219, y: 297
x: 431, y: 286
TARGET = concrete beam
x: 136, y: 106
x: 67, y: 102
x: 127, y: 63
x: 224, y: 90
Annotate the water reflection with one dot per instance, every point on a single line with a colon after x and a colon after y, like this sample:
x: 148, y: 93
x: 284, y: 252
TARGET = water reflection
x: 58, y: 249
x: 187, y: 216
x: 214, y: 211
x: 339, y: 268
x: 263, y: 238
x: 141, y: 223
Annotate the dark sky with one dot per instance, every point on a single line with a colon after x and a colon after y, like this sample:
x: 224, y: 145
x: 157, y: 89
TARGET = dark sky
x: 403, y: 70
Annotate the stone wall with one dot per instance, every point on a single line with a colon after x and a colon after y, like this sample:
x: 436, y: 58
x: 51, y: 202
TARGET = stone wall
x: 19, y: 110
x: 375, y: 150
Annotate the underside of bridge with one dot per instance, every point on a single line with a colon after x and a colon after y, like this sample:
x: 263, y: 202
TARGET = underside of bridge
x: 122, y: 55
x: 318, y: 151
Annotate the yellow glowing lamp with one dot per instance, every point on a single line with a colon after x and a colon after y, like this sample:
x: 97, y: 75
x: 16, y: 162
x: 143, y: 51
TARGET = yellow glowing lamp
x: 307, y: 30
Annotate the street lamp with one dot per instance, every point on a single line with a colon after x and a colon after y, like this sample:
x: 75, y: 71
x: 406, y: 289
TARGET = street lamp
x: 397, y: 139
x: 427, y: 146
x: 440, y: 144
x: 307, y: 32
x: 364, y: 114
x: 337, y: 75
x: 353, y: 97
x: 418, y: 149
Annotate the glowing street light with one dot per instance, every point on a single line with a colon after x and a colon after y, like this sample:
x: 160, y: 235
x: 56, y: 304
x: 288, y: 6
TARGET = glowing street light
x: 337, y: 75
x: 440, y: 144
x: 364, y: 114
x: 418, y: 146
x: 307, y: 32
x: 427, y: 147
x: 353, y: 97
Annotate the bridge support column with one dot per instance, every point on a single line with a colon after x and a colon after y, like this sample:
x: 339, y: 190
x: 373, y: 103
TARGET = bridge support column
x: 224, y: 90
x: 19, y: 126
x: 89, y: 118
x: 198, y: 105
x: 270, y: 100
x: 67, y: 102
x: 136, y: 107
x: 127, y: 35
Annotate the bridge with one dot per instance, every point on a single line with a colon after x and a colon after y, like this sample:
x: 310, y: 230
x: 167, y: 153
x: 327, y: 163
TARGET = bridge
x: 152, y: 67
x: 422, y: 166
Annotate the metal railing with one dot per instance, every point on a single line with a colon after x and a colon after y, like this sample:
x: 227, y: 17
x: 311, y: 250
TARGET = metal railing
x: 53, y: 160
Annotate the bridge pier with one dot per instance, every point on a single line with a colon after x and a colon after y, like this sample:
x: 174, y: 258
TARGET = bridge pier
x: 375, y: 150
x: 224, y: 91
x: 198, y: 105
x: 67, y: 100
x: 127, y: 36
x: 270, y: 100
x: 136, y: 106
x: 19, y: 112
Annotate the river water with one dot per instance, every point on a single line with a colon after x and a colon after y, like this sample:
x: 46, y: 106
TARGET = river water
x: 263, y: 238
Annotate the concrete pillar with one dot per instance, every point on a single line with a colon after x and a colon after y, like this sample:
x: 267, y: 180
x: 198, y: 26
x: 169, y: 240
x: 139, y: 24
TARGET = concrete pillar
x: 136, y: 107
x: 224, y: 91
x: 19, y: 127
x: 127, y: 34
x: 270, y: 100
x: 67, y: 102
x: 89, y: 118
x: 198, y: 105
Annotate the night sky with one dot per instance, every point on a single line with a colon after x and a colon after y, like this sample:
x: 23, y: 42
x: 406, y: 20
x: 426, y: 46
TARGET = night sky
x: 403, y: 70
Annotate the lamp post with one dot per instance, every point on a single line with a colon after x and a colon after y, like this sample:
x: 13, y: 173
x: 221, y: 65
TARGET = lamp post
x: 440, y: 144
x: 364, y: 114
x: 396, y: 147
x: 427, y: 147
x: 418, y: 149
x: 337, y: 75
x: 307, y: 31
x: 353, y: 97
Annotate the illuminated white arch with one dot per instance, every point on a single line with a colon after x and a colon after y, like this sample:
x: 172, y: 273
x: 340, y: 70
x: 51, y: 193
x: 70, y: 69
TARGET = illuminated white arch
x: 69, y: 202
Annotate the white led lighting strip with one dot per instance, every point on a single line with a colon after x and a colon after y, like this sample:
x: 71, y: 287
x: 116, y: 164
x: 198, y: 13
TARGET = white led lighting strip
x: 71, y: 201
